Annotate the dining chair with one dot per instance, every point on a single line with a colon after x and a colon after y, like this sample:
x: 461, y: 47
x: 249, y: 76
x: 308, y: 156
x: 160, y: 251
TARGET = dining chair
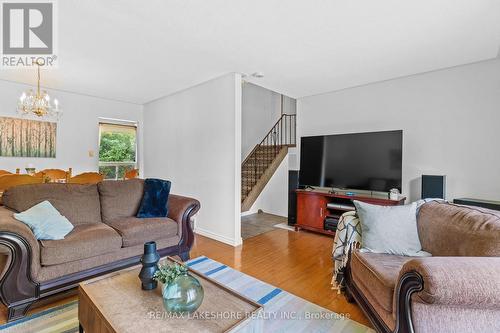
x: 131, y: 174
x: 87, y: 178
x: 8, y: 181
x: 55, y: 175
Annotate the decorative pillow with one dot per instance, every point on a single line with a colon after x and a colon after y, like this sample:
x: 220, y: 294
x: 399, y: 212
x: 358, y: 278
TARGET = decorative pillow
x: 154, y: 200
x: 389, y: 229
x: 45, y: 221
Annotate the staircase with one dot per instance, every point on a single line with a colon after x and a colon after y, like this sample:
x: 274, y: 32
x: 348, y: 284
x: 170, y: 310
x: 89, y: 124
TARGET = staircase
x: 265, y: 158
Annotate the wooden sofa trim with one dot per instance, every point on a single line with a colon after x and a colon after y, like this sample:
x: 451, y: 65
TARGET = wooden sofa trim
x: 17, y: 289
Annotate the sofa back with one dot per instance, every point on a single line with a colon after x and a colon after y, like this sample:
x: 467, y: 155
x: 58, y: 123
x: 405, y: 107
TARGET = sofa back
x: 79, y: 203
x: 453, y: 230
x: 120, y: 198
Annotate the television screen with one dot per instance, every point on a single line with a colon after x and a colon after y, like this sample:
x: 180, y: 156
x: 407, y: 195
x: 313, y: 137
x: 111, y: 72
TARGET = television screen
x: 364, y: 161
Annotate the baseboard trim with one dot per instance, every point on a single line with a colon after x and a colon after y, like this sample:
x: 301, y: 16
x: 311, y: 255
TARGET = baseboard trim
x: 217, y: 237
x: 249, y: 212
x: 256, y: 211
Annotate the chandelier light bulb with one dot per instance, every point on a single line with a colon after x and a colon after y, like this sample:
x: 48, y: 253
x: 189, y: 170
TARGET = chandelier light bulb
x: 38, y: 103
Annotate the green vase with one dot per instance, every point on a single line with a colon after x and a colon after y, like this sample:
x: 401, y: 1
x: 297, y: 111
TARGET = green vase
x: 183, y: 295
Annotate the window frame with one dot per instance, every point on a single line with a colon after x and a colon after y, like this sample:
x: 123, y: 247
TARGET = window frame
x: 118, y: 122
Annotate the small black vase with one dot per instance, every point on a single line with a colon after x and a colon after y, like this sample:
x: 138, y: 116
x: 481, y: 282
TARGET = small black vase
x: 149, y: 262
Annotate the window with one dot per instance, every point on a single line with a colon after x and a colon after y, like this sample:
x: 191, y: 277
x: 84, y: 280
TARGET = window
x: 117, y: 149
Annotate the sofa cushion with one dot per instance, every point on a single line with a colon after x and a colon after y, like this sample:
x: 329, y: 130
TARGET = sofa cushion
x: 47, y: 273
x: 454, y: 230
x: 379, y: 273
x: 78, y: 203
x: 136, y: 231
x: 85, y: 241
x: 120, y: 198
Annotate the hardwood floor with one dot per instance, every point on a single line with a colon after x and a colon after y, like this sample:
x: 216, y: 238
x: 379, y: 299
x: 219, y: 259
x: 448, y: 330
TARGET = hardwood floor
x: 298, y: 262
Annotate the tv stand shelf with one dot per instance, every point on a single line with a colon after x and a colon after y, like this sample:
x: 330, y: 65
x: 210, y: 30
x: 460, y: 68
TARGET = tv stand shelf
x: 313, y: 207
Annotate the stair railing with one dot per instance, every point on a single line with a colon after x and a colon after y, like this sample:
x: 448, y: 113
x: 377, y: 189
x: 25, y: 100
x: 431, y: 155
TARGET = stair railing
x: 282, y: 134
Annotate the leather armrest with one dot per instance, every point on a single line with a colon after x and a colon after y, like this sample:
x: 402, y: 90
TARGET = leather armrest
x: 457, y: 281
x: 180, y: 207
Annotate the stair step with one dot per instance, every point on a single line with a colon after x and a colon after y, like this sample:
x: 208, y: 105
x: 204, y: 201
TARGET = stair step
x: 260, y: 159
x: 248, y: 185
x: 252, y: 171
x: 266, y: 152
x: 258, y: 162
x: 255, y: 168
x: 252, y: 175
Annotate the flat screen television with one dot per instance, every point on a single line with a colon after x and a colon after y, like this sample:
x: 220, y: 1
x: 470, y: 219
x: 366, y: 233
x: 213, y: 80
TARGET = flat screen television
x: 364, y: 161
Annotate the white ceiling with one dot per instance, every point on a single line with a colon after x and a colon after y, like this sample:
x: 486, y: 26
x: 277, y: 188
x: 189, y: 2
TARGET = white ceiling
x: 137, y: 51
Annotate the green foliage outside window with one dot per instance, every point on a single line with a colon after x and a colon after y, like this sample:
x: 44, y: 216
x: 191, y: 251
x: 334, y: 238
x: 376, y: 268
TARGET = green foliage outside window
x: 117, y: 147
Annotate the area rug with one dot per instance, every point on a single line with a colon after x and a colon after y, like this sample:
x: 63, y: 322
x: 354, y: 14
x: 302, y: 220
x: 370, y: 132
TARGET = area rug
x: 60, y: 319
x: 284, y: 226
x: 283, y: 312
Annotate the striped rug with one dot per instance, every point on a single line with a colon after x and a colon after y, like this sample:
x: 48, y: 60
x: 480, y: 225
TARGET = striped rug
x: 283, y: 312
x: 60, y: 319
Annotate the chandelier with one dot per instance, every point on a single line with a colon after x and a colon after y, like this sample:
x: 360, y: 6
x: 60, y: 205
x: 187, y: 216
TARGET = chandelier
x: 38, y: 102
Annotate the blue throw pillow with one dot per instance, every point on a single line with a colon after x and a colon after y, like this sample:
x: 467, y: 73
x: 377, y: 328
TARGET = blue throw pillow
x: 45, y: 221
x: 154, y: 200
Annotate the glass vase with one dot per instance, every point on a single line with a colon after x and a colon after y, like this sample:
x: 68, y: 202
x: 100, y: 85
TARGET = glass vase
x: 183, y: 295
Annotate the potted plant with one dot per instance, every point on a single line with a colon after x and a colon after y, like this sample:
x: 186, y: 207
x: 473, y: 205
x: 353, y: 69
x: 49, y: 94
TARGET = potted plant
x: 182, y: 293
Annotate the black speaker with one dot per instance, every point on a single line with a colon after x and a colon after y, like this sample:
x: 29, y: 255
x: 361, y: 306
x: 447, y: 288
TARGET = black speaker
x: 433, y: 187
x: 293, y: 184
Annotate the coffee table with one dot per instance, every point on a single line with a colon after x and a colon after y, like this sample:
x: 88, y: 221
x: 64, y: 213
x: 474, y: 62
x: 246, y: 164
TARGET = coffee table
x: 116, y: 303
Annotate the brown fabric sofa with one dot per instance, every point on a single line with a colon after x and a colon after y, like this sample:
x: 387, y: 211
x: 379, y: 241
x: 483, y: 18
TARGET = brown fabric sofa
x: 106, y: 237
x: 455, y: 290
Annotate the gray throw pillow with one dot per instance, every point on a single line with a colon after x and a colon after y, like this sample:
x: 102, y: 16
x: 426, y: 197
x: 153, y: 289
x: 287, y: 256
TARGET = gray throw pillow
x: 389, y: 229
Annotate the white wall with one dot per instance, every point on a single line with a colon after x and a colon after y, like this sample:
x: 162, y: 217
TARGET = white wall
x: 77, y: 130
x: 274, y: 197
x: 193, y: 138
x: 450, y: 119
x: 261, y: 109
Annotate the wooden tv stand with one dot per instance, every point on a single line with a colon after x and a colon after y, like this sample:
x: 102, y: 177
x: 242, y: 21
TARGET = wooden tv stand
x: 312, y: 207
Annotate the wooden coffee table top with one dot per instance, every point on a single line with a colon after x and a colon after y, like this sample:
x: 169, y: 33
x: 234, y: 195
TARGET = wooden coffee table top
x: 116, y: 303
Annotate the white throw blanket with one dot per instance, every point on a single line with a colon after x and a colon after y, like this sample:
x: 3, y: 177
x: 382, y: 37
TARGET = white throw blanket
x: 347, y: 235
